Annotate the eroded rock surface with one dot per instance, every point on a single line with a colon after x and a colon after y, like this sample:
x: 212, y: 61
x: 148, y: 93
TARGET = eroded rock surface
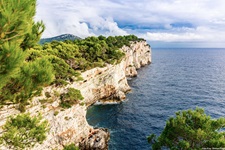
x: 96, y: 140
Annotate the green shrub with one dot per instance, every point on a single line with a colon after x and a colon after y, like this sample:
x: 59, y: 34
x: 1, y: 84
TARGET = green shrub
x: 60, y: 82
x: 46, y: 100
x: 66, y: 118
x: 22, y: 107
x: 56, y: 113
x: 82, y: 104
x: 191, y: 129
x: 70, y: 98
x: 65, y: 104
x: 71, y: 147
x: 23, y: 131
x: 32, y: 77
x: 47, y: 94
x: 56, y: 93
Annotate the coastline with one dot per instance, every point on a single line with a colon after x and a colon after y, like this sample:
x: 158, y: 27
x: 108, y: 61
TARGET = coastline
x: 103, y: 84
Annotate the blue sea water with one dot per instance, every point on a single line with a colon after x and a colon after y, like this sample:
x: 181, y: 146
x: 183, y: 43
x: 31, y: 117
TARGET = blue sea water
x: 177, y: 79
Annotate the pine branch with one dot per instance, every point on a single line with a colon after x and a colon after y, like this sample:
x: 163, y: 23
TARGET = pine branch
x: 17, y: 35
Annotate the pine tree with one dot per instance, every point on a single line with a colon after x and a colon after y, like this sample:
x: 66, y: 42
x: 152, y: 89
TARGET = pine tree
x: 191, y: 129
x: 19, y: 34
x: 24, y: 131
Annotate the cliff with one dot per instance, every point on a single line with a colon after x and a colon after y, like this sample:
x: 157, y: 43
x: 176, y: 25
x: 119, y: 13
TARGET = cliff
x: 108, y: 84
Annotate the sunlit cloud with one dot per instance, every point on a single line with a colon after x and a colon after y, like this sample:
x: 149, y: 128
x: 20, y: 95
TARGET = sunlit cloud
x: 75, y: 17
x: 155, y: 20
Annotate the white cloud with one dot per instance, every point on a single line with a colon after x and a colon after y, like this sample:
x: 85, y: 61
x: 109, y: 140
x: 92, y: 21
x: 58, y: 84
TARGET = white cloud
x: 75, y: 17
x: 106, y: 27
x: 171, y: 37
x: 156, y: 20
x: 200, y: 34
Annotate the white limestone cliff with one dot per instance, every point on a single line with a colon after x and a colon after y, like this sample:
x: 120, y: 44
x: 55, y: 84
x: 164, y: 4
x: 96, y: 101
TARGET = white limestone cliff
x: 100, y: 84
x: 138, y: 54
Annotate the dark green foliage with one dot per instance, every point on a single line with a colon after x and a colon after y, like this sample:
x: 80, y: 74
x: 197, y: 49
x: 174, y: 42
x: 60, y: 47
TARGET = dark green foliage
x: 34, y: 36
x: 22, y: 131
x: 61, y: 56
x: 56, y: 113
x: 16, y: 27
x: 63, y: 72
x: 36, y: 73
x: 11, y: 58
x: 71, y: 147
x: 47, y: 94
x: 70, y: 98
x: 20, y: 79
x: 32, y: 77
x: 191, y: 129
x: 62, y: 50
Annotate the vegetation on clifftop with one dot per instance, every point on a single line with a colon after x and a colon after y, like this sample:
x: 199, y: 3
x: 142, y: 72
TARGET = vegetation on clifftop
x: 70, y: 98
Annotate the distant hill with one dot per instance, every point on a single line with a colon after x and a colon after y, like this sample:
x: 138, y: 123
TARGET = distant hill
x: 62, y: 37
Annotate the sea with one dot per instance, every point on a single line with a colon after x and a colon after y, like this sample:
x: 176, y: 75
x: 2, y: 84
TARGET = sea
x: 177, y: 79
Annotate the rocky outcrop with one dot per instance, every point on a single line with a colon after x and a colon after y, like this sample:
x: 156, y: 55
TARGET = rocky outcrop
x: 108, y: 84
x: 97, y: 140
x: 138, y: 54
x: 103, y: 83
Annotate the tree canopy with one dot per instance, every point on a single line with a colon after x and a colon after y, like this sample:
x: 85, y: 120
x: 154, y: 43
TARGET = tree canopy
x: 22, y: 131
x: 18, y: 32
x: 191, y: 129
x: 19, y: 79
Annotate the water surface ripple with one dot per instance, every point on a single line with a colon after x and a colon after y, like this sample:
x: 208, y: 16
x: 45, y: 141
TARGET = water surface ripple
x: 177, y: 79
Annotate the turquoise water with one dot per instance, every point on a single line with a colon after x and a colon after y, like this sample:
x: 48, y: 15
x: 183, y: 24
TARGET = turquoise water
x: 177, y: 79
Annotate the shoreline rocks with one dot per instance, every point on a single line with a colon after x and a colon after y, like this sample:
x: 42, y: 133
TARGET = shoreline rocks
x: 96, y: 140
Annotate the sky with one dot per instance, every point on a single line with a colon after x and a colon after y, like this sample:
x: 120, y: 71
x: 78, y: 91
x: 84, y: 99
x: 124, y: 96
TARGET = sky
x: 163, y: 23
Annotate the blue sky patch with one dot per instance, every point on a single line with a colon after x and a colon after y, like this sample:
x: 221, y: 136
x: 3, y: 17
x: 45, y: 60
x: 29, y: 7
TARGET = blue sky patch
x: 182, y: 24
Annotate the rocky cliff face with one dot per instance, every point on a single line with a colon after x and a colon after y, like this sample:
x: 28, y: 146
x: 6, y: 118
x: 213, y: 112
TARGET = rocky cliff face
x: 108, y: 84
x: 137, y: 56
